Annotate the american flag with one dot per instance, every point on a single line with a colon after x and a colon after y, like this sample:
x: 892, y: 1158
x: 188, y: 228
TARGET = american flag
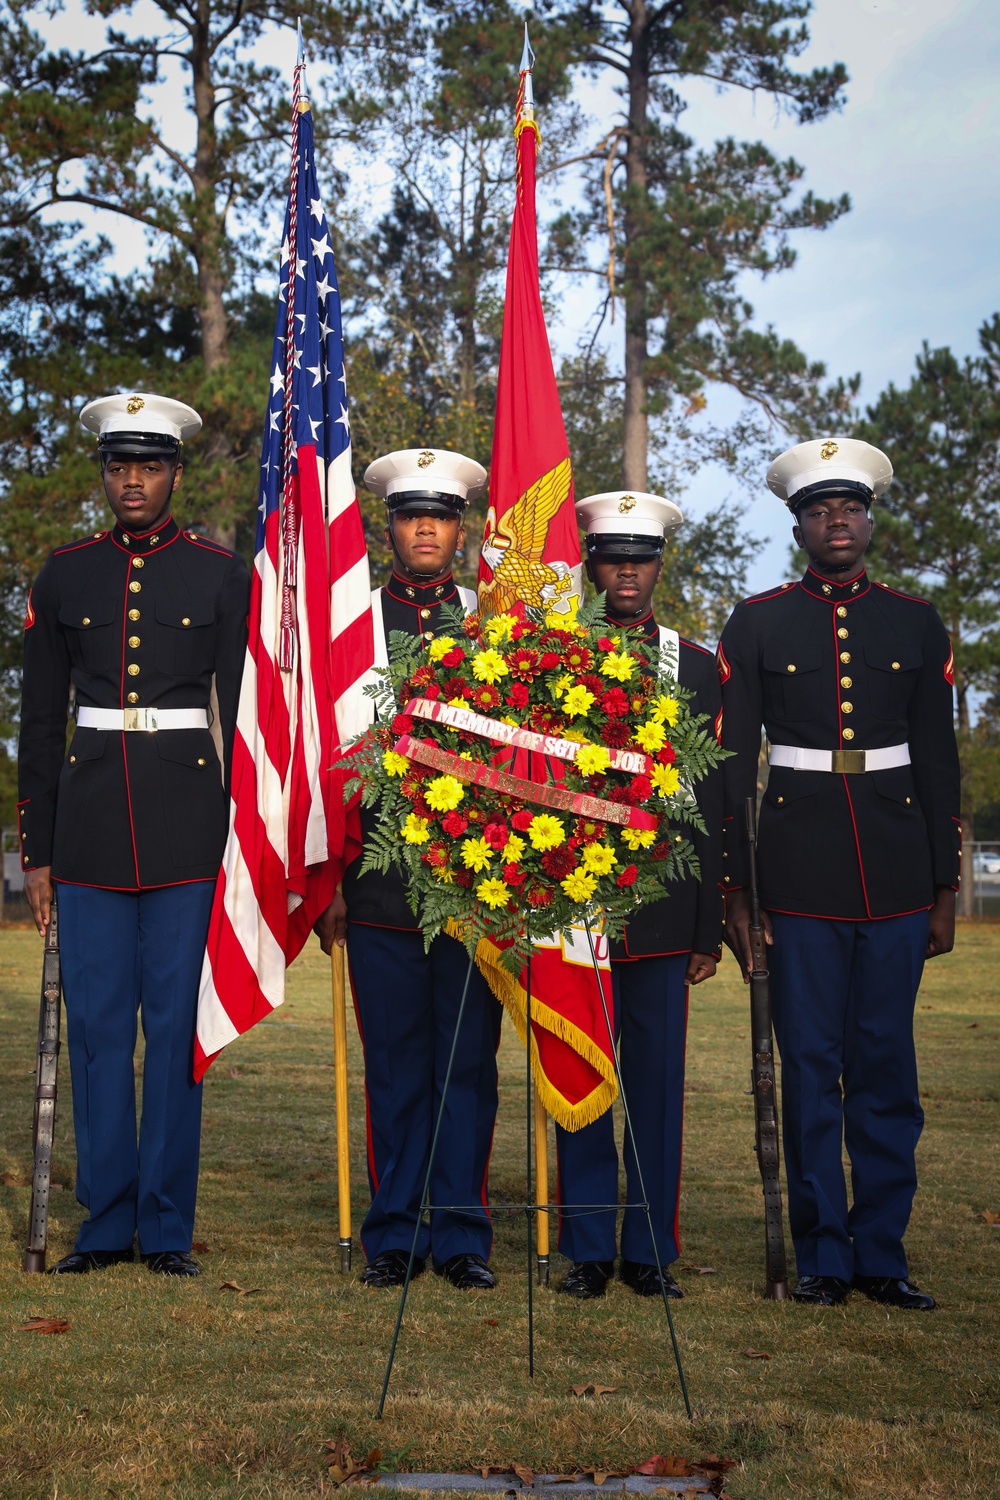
x: 309, y: 647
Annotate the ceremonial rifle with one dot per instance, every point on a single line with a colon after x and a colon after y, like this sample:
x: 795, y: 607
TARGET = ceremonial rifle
x: 765, y: 1102
x: 45, y: 1096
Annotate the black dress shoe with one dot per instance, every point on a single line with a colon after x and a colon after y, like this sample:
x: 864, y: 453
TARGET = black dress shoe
x: 82, y: 1261
x: 895, y: 1291
x: 587, y: 1278
x: 172, y: 1263
x: 821, y: 1291
x: 645, y: 1280
x: 389, y: 1269
x: 468, y: 1272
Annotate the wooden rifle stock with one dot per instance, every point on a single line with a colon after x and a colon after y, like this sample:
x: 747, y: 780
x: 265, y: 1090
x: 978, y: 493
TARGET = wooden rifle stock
x: 46, y: 1070
x: 765, y: 1100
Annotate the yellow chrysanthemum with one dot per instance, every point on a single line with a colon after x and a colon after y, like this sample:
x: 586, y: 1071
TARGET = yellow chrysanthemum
x: 457, y: 703
x: 488, y: 665
x: 440, y: 647
x: 498, y: 628
x: 666, y: 779
x: 415, y: 830
x: 598, y: 859
x: 546, y: 832
x: 513, y: 849
x: 591, y: 760
x: 619, y: 665
x: 444, y: 793
x: 579, y: 887
x: 638, y: 838
x: 561, y: 685
x: 476, y: 854
x: 493, y: 892
x: 445, y: 876
x: 579, y: 700
x: 651, y: 736
x: 393, y: 764
x: 665, y: 710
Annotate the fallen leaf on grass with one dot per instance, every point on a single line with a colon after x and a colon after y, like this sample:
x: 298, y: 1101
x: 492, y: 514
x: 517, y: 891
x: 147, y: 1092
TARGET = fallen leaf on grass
x: 492, y: 1322
x: 200, y: 1246
x: 989, y: 1217
x: 713, y: 1464
x: 665, y: 1466
x: 700, y: 1270
x: 241, y: 1291
x: 974, y: 1026
x: 44, y: 1325
x: 564, y: 1479
x: 343, y: 1469
x: 754, y: 1354
x: 598, y: 1390
x: 524, y: 1474
x: 600, y: 1475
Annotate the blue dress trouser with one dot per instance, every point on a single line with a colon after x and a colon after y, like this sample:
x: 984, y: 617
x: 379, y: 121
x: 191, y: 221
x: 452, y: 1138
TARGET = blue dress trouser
x: 651, y: 1005
x: 123, y: 952
x: 843, y: 995
x: 407, y: 1003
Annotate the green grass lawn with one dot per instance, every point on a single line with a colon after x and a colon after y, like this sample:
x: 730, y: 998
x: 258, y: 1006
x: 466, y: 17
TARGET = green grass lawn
x: 181, y: 1388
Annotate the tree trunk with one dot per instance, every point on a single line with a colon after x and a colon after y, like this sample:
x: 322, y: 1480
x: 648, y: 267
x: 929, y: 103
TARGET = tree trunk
x: 208, y: 227
x: 635, y: 447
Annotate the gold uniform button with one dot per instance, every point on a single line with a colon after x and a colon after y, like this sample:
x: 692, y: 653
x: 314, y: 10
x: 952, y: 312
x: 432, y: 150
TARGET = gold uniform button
x: 843, y: 633
x: 86, y: 620
x: 428, y: 635
x: 153, y: 541
x: 791, y: 666
x: 726, y: 879
x: 907, y: 801
x: 137, y: 562
x: 845, y: 657
x: 133, y: 669
x: 134, y: 641
x: 135, y: 586
x: 425, y: 614
x: 780, y: 801
x: 133, y: 614
x: 847, y: 682
x: 895, y: 666
x: 847, y: 708
x: 185, y: 621
x: 72, y: 760
x: 841, y: 612
x: 133, y: 697
x: 201, y: 760
x: 848, y: 734
x: 827, y: 589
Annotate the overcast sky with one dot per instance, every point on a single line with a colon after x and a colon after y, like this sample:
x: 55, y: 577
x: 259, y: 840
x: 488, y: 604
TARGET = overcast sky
x: 917, y: 147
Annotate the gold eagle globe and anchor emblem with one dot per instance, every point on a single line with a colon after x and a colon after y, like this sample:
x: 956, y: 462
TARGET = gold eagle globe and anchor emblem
x: 134, y: 404
x: 829, y: 448
x: 513, y: 546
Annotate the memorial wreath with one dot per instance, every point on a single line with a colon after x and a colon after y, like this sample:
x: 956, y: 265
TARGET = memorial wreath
x: 531, y: 775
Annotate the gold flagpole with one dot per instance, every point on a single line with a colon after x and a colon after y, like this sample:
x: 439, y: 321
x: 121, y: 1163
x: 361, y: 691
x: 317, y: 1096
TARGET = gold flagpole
x: 541, y: 1190
x: 338, y: 958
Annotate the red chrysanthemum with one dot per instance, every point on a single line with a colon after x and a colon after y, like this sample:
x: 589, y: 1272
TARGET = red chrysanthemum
x: 627, y: 876
x: 660, y: 851
x: 518, y: 696
x: 421, y: 809
x: 605, y: 643
x: 588, y: 831
x: 522, y: 820
x: 523, y: 662
x: 549, y: 660
x: 485, y: 695
x: 514, y: 876
x: 615, y: 703
x: 641, y: 788
x: 559, y: 637
x: 592, y: 683
x: 545, y: 719
x: 496, y: 835
x: 454, y: 823
x: 422, y: 676
x: 539, y: 895
x: 453, y: 658
x: 667, y: 755
x: 517, y: 631
x: 437, y: 856
x: 402, y: 724
x: 559, y: 863
x: 471, y: 626
x: 615, y: 734
x: 476, y: 815
x: 456, y: 687
x: 578, y: 658
x: 464, y: 878
x: 432, y: 690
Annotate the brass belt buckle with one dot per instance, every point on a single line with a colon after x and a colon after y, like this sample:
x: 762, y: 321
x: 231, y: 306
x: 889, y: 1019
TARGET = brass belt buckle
x: 848, y: 762
x: 143, y: 719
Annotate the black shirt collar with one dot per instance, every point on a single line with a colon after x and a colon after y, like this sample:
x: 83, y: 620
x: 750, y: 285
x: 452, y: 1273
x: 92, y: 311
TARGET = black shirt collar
x: 145, y: 541
x: 422, y: 594
x: 835, y: 593
x: 647, y: 625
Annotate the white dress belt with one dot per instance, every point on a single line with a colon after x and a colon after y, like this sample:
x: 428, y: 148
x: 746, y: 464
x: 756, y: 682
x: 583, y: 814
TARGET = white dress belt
x: 843, y: 762
x: 144, y: 719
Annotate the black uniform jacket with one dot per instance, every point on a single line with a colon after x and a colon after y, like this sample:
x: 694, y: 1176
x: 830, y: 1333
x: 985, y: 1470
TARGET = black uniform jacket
x: 837, y: 666
x: 690, y: 918
x: 141, y: 621
x: 374, y: 899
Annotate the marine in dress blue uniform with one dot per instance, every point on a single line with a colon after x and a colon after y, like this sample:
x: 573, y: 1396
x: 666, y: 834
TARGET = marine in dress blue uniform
x: 667, y: 946
x: 407, y: 1000
x: 858, y: 855
x: 142, y: 622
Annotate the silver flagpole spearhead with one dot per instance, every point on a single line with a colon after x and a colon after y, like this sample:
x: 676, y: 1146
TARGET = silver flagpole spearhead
x: 527, y: 63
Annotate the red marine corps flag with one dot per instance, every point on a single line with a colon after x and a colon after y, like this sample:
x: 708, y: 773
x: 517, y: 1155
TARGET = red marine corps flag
x: 310, y: 644
x: 531, y: 556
